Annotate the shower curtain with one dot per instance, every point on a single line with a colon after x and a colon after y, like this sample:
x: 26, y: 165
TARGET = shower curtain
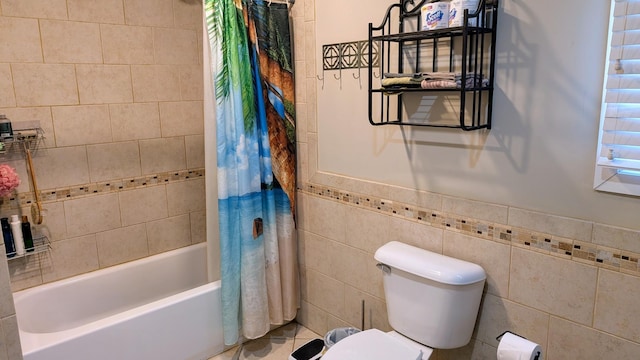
x: 252, y: 71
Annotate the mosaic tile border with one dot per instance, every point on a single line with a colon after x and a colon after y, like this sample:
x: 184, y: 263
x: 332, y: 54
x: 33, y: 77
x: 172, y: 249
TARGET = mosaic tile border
x: 349, y: 55
x: 66, y: 193
x: 583, y: 252
x: 579, y: 251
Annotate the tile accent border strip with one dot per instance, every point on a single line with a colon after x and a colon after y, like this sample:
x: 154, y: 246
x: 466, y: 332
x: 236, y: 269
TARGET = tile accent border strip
x: 570, y: 249
x: 583, y: 252
x: 103, y: 187
x: 349, y: 55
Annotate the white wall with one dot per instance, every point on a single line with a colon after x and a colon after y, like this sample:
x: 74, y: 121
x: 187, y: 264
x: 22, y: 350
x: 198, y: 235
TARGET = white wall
x: 540, y: 153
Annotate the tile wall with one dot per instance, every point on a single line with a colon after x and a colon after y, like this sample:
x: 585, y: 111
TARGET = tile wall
x: 559, y: 290
x: 568, y: 284
x: 117, y: 87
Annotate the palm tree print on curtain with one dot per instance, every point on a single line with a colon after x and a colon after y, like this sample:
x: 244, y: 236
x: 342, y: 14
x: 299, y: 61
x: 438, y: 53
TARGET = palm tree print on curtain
x: 255, y: 121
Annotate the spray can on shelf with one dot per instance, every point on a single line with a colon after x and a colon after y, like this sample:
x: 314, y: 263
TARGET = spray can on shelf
x: 16, y: 231
x: 8, y: 237
x: 26, y: 234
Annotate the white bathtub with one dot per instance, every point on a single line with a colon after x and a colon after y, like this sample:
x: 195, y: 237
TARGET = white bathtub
x: 160, y: 307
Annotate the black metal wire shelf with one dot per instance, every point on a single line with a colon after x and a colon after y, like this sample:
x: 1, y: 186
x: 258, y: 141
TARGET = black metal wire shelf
x: 394, y: 91
x: 41, y: 244
x: 397, y: 122
x: 468, y: 51
x: 433, y: 34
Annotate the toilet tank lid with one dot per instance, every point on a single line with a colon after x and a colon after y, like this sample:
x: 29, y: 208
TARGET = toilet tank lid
x: 427, y: 264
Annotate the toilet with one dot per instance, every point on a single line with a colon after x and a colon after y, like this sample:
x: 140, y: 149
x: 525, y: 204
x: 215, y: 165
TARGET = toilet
x: 432, y: 303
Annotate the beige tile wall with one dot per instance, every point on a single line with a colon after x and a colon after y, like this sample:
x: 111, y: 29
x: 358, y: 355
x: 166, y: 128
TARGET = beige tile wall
x: 568, y: 284
x: 117, y: 87
x: 574, y: 306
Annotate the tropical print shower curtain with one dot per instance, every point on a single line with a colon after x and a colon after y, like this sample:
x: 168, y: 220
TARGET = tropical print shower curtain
x: 252, y: 70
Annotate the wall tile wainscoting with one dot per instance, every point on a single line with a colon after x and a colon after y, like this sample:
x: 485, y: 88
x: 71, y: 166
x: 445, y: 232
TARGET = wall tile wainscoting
x: 567, y: 284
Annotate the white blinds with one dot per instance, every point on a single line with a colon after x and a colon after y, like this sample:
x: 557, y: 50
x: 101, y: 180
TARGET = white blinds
x: 618, y: 161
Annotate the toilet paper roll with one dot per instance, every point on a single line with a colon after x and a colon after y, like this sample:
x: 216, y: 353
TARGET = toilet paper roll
x: 435, y: 16
x: 514, y: 347
x: 456, y: 11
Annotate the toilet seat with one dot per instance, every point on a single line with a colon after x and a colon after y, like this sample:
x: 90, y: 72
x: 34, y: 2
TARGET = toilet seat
x: 374, y: 344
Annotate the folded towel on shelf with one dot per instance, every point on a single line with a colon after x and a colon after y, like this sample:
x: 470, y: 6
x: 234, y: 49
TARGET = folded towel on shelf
x: 423, y: 75
x: 472, y: 81
x: 433, y: 80
x: 401, y: 75
x: 438, y: 84
x: 439, y: 75
x: 401, y: 82
x: 412, y: 80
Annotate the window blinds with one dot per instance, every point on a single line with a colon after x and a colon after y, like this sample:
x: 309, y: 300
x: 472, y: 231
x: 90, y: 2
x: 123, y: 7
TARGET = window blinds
x: 618, y: 157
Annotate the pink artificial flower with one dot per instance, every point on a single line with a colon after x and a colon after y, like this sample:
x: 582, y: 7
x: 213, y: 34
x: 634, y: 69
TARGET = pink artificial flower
x: 8, y: 179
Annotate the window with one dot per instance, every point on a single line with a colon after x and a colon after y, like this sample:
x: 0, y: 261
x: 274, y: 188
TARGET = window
x: 618, y: 157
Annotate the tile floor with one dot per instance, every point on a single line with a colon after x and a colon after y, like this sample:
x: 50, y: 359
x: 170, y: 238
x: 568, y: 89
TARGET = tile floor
x: 276, y: 345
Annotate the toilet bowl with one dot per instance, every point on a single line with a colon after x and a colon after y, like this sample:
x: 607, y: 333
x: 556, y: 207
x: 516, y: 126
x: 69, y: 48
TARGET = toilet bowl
x: 374, y: 344
x: 431, y: 299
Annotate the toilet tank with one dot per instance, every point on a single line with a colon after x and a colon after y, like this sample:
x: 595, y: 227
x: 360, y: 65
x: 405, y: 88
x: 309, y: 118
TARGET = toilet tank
x: 431, y: 298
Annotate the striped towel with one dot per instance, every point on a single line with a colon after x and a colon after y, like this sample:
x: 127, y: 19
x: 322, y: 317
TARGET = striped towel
x: 438, y: 84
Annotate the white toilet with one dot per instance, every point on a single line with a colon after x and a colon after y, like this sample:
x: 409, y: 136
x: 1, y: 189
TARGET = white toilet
x: 432, y: 303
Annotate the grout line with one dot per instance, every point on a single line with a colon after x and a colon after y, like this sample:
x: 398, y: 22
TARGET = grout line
x: 238, y: 352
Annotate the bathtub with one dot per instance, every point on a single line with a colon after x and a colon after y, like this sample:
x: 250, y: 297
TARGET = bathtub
x: 160, y: 307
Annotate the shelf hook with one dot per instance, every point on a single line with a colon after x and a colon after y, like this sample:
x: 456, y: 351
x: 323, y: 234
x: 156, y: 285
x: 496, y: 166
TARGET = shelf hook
x: 321, y: 79
x: 358, y: 78
x: 339, y: 77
